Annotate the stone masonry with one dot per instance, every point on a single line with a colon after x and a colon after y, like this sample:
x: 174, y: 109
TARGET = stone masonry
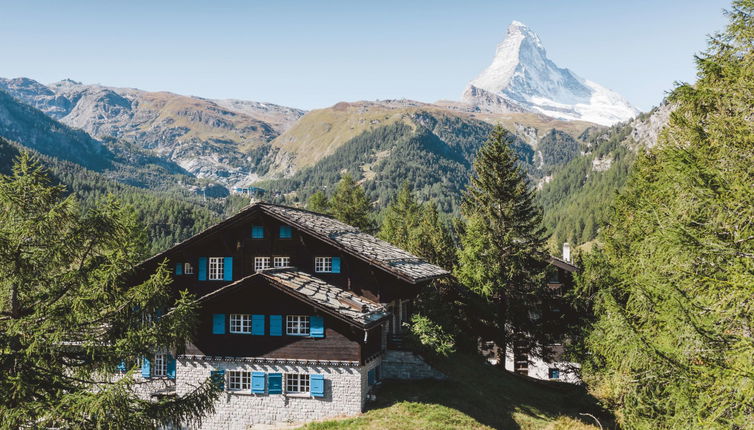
x: 346, y: 387
x: 407, y: 365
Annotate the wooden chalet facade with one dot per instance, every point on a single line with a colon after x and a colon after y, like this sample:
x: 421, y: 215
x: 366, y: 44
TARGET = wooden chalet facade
x: 296, y: 312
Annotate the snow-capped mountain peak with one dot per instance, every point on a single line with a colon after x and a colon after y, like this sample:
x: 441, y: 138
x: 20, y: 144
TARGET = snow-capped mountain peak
x: 522, y: 78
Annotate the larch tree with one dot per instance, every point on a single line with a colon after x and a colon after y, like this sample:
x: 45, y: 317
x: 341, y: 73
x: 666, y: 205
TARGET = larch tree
x: 349, y: 203
x: 673, y: 283
x: 318, y: 202
x: 502, y: 255
x: 69, y: 319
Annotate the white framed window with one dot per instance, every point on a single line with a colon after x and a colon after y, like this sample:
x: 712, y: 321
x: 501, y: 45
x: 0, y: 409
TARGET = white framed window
x: 296, y: 383
x: 216, y: 268
x: 281, y: 261
x: 239, y: 380
x: 160, y: 366
x: 261, y: 263
x: 297, y: 325
x: 323, y: 264
x: 240, y: 323
x: 188, y: 269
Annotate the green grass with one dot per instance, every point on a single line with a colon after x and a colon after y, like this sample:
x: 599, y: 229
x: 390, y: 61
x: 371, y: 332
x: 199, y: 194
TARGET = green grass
x: 475, y: 396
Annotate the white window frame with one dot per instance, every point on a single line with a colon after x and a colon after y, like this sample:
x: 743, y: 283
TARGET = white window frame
x: 239, y: 380
x: 297, y: 325
x: 216, y: 268
x: 323, y: 264
x: 281, y: 261
x: 240, y: 323
x: 160, y: 365
x: 188, y: 269
x: 297, y: 383
x: 261, y: 263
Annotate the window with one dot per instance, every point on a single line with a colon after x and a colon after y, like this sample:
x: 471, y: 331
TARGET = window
x: 216, y: 268
x: 281, y: 261
x: 160, y: 365
x: 261, y: 263
x: 296, y: 383
x: 240, y: 323
x: 188, y: 269
x: 554, y: 373
x: 257, y: 232
x: 297, y: 325
x: 285, y: 232
x: 323, y: 264
x: 239, y: 380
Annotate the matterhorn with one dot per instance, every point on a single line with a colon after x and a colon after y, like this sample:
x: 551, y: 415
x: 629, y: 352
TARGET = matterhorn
x: 522, y: 79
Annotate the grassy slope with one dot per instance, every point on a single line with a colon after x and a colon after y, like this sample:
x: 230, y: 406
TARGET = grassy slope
x: 475, y: 396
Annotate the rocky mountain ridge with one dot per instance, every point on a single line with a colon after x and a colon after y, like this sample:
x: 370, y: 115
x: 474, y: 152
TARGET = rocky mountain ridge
x: 521, y: 78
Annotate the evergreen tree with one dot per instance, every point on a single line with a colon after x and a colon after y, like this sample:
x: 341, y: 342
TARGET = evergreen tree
x: 68, y: 318
x: 349, y: 204
x: 502, y: 254
x: 672, y: 345
x: 318, y: 203
x: 401, y: 218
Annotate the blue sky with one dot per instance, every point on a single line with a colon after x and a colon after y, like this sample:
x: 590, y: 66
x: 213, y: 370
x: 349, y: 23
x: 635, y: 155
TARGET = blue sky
x: 312, y: 54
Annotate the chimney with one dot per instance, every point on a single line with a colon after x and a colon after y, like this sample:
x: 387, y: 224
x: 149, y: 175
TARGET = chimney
x: 566, y: 252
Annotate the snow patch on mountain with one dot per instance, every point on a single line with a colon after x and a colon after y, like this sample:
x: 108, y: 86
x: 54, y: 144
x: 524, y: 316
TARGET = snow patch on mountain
x: 521, y: 77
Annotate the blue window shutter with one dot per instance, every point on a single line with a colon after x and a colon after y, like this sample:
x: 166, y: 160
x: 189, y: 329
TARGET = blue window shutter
x: 179, y: 268
x: 317, y: 385
x: 218, y: 323
x: 276, y: 325
x: 316, y: 326
x: 228, y: 268
x: 218, y: 378
x: 285, y: 232
x: 275, y: 383
x: 257, y: 382
x: 202, y: 268
x: 371, y: 377
x: 257, y: 232
x: 257, y: 325
x: 121, y: 366
x: 336, y: 264
x: 146, y: 367
x: 171, y: 367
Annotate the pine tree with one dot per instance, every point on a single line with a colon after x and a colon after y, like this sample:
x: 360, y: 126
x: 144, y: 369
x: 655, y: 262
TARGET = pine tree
x: 672, y: 345
x: 318, y: 203
x: 502, y: 254
x: 68, y: 318
x: 349, y: 204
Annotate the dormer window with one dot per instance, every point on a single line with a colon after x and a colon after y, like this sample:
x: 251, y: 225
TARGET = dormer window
x: 216, y: 268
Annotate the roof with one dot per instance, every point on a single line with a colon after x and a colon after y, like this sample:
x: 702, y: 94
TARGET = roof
x: 333, y: 300
x: 355, y: 242
x: 557, y: 262
x: 345, y: 237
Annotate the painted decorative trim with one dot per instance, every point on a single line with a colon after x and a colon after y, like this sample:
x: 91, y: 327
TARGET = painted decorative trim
x: 263, y: 360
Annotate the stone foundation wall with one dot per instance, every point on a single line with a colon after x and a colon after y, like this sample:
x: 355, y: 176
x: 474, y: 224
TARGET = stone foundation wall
x: 407, y: 365
x: 345, y: 393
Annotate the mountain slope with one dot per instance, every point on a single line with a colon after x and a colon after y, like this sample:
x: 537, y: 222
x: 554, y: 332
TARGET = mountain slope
x: 224, y: 140
x: 522, y: 79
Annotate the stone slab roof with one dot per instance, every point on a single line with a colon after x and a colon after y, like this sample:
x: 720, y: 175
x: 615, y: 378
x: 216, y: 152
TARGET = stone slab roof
x: 355, y: 242
x: 336, y: 301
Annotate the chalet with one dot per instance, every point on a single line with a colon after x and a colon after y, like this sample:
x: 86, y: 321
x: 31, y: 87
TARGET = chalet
x: 297, y: 311
x: 519, y: 360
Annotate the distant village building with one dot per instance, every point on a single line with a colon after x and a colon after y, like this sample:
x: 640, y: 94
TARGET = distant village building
x: 519, y: 360
x: 299, y: 316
